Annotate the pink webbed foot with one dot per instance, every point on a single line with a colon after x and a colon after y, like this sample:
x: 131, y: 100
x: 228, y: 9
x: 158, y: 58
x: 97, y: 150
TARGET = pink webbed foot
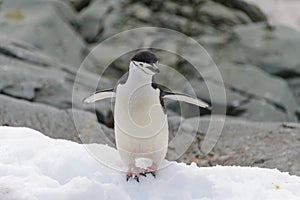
x: 152, y: 170
x: 135, y: 172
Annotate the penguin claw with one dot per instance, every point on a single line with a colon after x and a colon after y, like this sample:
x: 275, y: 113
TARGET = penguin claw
x: 137, y: 178
x: 151, y: 172
x: 136, y: 173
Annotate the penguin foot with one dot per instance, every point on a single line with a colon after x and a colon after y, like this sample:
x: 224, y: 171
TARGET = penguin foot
x: 152, y: 170
x: 135, y: 172
x: 135, y: 176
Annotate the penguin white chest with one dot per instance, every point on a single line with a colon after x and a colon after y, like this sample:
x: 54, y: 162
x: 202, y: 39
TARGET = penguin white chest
x: 139, y: 109
x: 141, y: 127
x: 144, y: 107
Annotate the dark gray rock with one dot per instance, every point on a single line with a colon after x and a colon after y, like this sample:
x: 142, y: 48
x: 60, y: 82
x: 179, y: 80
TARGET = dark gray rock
x: 33, y: 76
x: 257, y: 110
x: 261, y: 87
x: 27, y: 53
x: 139, y: 11
x: 102, y: 19
x: 253, y: 12
x: 273, y: 50
x: 231, y: 98
x: 294, y: 84
x: 115, y: 53
x: 80, y: 4
x: 221, y: 16
x: 271, y: 145
x: 110, y: 18
x: 178, y: 23
x: 50, y: 85
x: 47, y: 26
x: 92, y: 19
x: 298, y: 113
x: 213, y: 43
x: 53, y: 122
x: 107, y: 55
x: 250, y: 93
x: 174, y: 123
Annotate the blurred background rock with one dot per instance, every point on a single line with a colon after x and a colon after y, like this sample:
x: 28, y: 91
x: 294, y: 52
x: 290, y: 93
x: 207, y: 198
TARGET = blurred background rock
x: 255, y: 45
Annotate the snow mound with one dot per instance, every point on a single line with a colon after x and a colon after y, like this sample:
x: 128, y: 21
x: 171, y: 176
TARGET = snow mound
x: 36, y: 167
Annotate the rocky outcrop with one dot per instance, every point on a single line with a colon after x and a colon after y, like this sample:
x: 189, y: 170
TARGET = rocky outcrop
x: 26, y: 73
x: 51, y: 65
x: 49, y: 27
x: 271, y: 145
x: 250, y: 93
x: 192, y: 18
x: 273, y: 49
x: 53, y: 122
x: 253, y: 12
x: 53, y: 54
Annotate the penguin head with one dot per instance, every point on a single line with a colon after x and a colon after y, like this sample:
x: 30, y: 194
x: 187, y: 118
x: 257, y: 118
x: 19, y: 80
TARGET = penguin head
x: 145, y: 61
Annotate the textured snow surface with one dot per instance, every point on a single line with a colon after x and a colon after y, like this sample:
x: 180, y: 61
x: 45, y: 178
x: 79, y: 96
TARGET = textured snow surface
x: 284, y: 12
x: 33, y: 166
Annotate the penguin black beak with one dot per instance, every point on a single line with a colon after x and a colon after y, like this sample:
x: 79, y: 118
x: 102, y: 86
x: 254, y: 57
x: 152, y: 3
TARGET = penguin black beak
x: 153, y: 67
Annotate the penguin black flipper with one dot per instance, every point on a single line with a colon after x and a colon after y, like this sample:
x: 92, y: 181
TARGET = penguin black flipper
x: 100, y: 95
x: 185, y: 98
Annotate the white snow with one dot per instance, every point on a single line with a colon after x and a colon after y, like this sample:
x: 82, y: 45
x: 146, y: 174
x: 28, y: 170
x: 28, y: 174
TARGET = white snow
x: 284, y: 12
x: 35, y: 167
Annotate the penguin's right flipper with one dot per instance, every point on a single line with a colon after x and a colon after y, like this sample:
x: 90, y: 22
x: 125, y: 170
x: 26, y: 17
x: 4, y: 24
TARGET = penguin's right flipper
x: 100, y: 95
x: 185, y: 98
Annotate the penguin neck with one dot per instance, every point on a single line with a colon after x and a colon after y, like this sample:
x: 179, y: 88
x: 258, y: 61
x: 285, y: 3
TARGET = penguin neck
x: 138, y: 77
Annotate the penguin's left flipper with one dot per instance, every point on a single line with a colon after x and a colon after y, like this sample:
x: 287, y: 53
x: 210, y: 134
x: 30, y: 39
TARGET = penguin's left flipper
x: 185, y: 98
x: 100, y: 95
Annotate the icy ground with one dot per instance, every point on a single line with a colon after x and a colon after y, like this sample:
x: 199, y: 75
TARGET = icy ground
x: 35, y: 167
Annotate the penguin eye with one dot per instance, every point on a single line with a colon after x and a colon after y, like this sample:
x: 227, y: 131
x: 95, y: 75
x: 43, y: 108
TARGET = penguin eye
x: 141, y: 65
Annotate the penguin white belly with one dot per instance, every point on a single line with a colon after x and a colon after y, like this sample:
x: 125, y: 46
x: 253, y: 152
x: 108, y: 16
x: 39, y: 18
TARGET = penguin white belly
x: 141, y: 126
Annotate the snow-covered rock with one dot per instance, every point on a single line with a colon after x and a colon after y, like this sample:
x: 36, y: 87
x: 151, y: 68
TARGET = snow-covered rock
x: 33, y: 167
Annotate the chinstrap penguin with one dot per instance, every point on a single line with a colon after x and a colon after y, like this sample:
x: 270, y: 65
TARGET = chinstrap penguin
x: 140, y: 119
